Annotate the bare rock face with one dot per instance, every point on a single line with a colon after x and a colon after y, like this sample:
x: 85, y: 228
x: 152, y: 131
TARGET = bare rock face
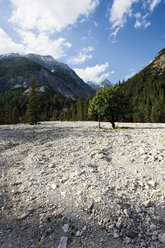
x: 70, y: 185
x: 159, y: 61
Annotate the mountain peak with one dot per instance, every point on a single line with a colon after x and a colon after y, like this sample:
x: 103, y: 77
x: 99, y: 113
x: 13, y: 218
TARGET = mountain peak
x: 104, y: 84
x: 13, y: 55
x: 47, y: 61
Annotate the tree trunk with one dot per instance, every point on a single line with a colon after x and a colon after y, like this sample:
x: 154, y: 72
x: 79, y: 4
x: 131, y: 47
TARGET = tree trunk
x: 99, y: 122
x: 112, y: 122
x: 113, y: 125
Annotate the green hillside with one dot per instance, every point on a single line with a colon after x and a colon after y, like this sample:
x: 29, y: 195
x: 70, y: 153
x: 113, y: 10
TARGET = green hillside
x: 146, y: 92
x: 11, y: 67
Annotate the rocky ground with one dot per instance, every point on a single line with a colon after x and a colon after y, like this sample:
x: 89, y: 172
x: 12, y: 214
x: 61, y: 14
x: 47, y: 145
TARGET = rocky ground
x: 72, y: 185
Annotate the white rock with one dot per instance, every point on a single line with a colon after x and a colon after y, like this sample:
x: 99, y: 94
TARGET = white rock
x: 77, y: 233
x: 119, y: 224
x: 115, y: 235
x: 54, y: 186
x: 63, y: 193
x: 98, y: 199
x: 127, y: 212
x: 127, y: 240
x: 152, y: 183
x: 142, y: 151
x: 153, y: 227
x: 63, y: 242
x: 147, y: 204
x: 161, y: 238
x: 84, y: 228
x: 65, y: 228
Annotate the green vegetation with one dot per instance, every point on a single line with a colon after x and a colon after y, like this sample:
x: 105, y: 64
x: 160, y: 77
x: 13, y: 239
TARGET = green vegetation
x: 11, y: 67
x: 78, y: 111
x: 108, y: 104
x: 32, y: 116
x: 146, y: 94
x: 139, y: 99
x: 18, y: 107
x: 12, y: 107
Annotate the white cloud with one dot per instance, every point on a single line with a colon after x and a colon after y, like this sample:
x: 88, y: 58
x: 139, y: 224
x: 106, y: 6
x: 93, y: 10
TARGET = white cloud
x: 138, y: 15
x: 138, y: 24
x: 112, y: 72
x: 31, y: 43
x: 82, y: 56
x: 130, y: 75
x: 142, y: 22
x: 49, y: 15
x: 42, y: 44
x: 95, y: 23
x: 95, y: 74
x: 119, y: 12
x: 122, y: 9
x: 7, y: 45
x: 147, y: 24
x: 153, y: 4
x: 114, y: 34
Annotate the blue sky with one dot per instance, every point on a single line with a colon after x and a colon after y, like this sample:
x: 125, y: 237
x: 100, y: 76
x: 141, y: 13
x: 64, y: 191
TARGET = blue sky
x: 99, y: 39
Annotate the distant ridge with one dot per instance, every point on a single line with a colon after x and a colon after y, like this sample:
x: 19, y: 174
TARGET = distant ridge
x: 16, y: 70
x: 104, y: 84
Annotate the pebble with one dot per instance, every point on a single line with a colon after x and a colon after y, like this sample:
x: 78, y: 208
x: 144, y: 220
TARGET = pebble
x: 161, y: 237
x: 63, y: 242
x: 115, y: 235
x: 65, y: 228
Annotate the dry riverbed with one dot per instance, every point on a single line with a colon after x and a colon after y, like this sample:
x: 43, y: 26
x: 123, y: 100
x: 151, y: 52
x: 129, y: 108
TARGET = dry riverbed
x: 72, y: 185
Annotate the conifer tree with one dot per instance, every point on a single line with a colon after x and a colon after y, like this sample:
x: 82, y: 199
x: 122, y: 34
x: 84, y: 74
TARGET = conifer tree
x: 15, y: 115
x: 32, y: 107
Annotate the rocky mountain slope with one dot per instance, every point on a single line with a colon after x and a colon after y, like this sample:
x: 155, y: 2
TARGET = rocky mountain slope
x: 106, y: 83
x: 16, y: 71
x: 159, y: 62
x: 72, y: 185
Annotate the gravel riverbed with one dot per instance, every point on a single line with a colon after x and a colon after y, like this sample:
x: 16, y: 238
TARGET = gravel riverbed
x: 73, y: 185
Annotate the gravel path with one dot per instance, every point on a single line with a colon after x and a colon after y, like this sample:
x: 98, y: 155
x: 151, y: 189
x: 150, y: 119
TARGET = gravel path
x: 72, y: 185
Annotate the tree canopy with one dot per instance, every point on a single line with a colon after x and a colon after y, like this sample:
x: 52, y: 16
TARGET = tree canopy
x: 108, y: 104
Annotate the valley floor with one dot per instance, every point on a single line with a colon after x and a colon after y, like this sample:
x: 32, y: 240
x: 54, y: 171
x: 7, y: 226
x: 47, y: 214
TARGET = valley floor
x: 72, y: 185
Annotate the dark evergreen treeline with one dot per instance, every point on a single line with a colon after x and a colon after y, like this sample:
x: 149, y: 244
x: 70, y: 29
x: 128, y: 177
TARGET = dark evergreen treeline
x: 78, y: 111
x: 14, y: 107
x: 146, y: 94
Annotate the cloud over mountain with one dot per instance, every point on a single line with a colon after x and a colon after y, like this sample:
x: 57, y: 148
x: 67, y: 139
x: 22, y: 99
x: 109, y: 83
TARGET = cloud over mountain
x: 49, y: 15
x: 96, y: 73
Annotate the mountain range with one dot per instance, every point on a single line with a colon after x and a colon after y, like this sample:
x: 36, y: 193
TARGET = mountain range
x: 145, y: 91
x: 104, y: 84
x: 16, y: 71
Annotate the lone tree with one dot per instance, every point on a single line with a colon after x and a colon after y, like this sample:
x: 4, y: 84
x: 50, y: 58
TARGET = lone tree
x: 32, y: 107
x: 108, y: 104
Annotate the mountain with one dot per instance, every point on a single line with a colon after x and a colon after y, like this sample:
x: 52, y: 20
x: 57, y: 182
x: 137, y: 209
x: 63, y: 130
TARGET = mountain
x: 104, y: 84
x: 16, y: 71
x: 146, y: 92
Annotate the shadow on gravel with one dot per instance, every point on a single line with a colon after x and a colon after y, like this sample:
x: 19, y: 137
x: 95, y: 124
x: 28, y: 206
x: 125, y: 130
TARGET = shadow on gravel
x: 42, y: 227
x: 30, y: 134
